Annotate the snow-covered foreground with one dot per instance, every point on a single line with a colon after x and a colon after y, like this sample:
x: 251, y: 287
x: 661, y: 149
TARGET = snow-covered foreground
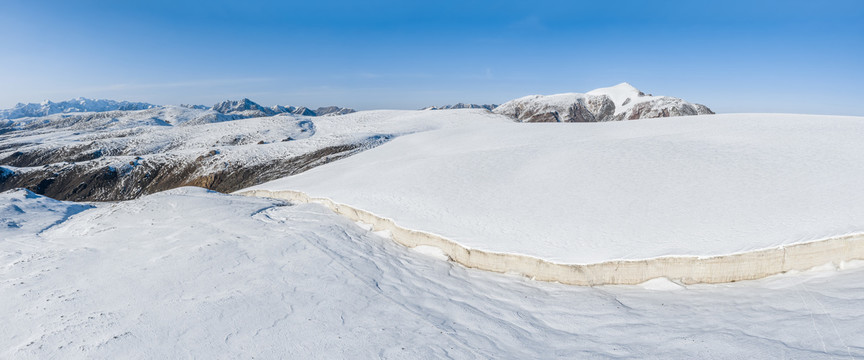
x: 190, y: 273
x: 594, y: 192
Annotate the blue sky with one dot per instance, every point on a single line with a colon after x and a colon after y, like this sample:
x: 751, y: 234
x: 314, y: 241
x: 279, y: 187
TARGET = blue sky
x: 734, y: 56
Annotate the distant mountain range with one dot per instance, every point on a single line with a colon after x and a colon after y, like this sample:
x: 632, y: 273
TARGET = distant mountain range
x: 489, y: 107
x: 244, y: 108
x: 70, y: 106
x: 619, y: 102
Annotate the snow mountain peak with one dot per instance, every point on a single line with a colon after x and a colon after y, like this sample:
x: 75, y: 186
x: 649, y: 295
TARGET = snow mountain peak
x: 233, y: 106
x: 614, y: 103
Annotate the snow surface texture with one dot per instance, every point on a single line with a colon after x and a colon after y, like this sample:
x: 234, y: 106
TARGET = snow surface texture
x: 23, y: 213
x: 190, y: 273
x: 684, y: 269
x: 592, y: 193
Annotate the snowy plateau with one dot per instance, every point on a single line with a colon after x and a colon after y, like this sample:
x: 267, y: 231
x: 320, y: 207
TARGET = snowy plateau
x: 242, y: 231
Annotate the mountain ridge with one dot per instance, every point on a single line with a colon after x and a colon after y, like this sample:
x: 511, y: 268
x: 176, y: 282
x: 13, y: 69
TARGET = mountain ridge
x: 243, y: 108
x: 614, y: 103
x: 79, y: 104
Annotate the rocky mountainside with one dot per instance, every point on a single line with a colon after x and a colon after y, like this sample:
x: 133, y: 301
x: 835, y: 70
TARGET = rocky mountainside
x: 244, y: 107
x: 70, y: 106
x: 332, y: 111
x: 303, y: 111
x: 619, y: 102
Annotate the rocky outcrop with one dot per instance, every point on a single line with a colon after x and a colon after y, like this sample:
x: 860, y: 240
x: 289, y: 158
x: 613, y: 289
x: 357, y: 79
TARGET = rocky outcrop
x: 244, y: 107
x: 620, y: 102
x: 303, y: 111
x: 664, y: 107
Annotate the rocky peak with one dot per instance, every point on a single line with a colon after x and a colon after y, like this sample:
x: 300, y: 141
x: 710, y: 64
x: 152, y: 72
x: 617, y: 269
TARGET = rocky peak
x: 240, y: 106
x: 619, y: 102
x: 303, y: 111
x: 278, y: 109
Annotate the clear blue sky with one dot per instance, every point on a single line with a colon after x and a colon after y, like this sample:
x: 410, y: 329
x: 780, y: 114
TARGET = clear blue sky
x: 735, y: 56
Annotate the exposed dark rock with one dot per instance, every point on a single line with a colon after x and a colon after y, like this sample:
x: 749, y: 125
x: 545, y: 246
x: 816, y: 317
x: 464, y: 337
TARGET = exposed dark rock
x: 602, y: 107
x: 41, y: 157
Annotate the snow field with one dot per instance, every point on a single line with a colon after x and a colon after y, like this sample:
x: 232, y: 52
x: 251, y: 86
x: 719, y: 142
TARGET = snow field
x: 830, y: 252
x: 618, y: 193
x: 192, y: 273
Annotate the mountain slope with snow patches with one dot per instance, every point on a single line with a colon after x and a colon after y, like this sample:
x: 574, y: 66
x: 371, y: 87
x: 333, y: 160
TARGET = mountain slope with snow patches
x: 108, y: 150
x: 122, y: 155
x: 619, y: 102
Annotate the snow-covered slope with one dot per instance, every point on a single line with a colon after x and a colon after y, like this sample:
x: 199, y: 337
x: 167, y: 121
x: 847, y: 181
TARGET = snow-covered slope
x: 619, y: 102
x: 24, y: 214
x: 190, y: 273
x: 589, y: 193
x: 122, y: 155
x: 70, y: 106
